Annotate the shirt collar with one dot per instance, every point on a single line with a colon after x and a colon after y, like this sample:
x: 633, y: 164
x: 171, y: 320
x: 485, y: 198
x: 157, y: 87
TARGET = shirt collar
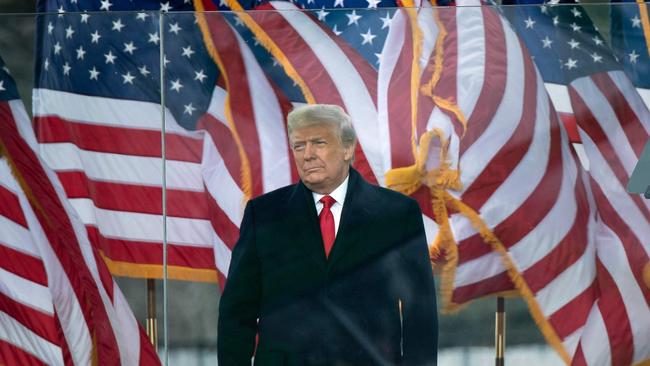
x: 338, y: 194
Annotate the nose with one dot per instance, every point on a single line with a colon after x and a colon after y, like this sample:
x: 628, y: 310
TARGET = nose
x: 309, y: 152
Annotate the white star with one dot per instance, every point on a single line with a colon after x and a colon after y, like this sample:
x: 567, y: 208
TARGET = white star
x: 165, y: 61
x: 547, y: 42
x: 129, y: 47
x: 372, y: 4
x: 50, y: 28
x: 117, y: 25
x: 110, y: 58
x: 633, y: 56
x: 275, y: 61
x: 187, y: 51
x: 95, y: 37
x: 379, y: 58
x: 84, y: 18
x: 367, y: 37
x: 61, y: 10
x: 386, y: 21
x: 312, y: 2
x: 66, y: 69
x: 573, y: 43
x: 80, y: 53
x: 144, y: 71
x: 336, y: 30
x: 93, y: 73
x: 127, y: 78
x: 57, y: 48
x: 153, y: 38
x: 571, y: 63
x: 69, y: 32
x: 596, y: 57
x: 597, y: 41
x: 322, y: 14
x: 575, y: 27
x: 338, y: 3
x: 174, y: 28
x: 238, y: 22
x: 353, y: 18
x: 176, y: 85
x: 636, y: 22
x: 189, y: 109
x: 200, y: 76
x: 576, y: 13
x: 165, y: 7
x: 142, y: 16
x: 530, y: 23
x: 556, y: 20
x: 222, y: 3
x: 106, y: 5
x: 544, y: 9
x: 2, y: 87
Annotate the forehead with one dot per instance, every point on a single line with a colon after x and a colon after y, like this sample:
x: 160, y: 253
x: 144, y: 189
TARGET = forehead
x: 321, y: 130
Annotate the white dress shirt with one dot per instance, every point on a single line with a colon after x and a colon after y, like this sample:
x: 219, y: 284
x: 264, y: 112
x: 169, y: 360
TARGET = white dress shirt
x: 339, y: 196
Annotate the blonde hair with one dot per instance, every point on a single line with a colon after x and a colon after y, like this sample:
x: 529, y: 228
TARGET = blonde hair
x: 323, y: 114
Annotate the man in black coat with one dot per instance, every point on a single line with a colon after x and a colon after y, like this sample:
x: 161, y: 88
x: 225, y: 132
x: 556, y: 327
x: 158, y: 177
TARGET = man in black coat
x: 331, y: 270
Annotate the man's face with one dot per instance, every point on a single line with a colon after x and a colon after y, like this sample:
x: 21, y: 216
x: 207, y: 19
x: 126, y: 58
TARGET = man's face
x: 321, y: 159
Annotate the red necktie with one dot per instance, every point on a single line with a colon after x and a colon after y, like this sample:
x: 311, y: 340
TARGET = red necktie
x: 327, y: 223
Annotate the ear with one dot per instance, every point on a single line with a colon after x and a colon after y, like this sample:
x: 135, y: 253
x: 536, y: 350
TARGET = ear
x: 348, y: 152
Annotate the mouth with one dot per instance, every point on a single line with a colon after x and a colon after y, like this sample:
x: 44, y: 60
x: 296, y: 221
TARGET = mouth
x: 312, y: 169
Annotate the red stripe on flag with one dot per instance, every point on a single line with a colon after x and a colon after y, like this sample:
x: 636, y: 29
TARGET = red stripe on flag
x: 10, y: 207
x: 42, y: 324
x: 224, y: 142
x: 134, y: 198
x: 513, y: 151
x: 573, y: 315
x: 495, y: 74
x: 11, y: 355
x: 635, y: 132
x: 239, y: 99
x: 59, y: 232
x: 117, y: 140
x: 616, y: 320
x: 579, y: 357
x: 589, y: 123
x: 399, y: 102
x: 225, y: 229
x: 531, y: 212
x: 636, y: 255
x: 568, y: 251
x: 571, y: 127
x: 139, y: 252
x: 23, y: 265
x: 489, y: 286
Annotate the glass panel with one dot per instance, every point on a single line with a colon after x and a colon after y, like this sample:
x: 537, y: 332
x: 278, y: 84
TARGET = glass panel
x: 449, y: 107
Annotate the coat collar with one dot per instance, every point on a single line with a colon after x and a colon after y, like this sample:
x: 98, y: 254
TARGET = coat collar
x: 304, y: 219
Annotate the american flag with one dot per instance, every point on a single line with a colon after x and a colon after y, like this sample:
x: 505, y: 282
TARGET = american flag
x: 585, y: 80
x: 98, y: 117
x: 58, y: 302
x: 522, y: 206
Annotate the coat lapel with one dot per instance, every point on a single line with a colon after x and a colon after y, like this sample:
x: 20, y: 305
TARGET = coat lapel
x: 357, y: 210
x: 302, y: 220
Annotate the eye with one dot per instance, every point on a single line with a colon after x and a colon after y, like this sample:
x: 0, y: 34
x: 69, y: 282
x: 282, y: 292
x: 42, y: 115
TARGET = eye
x: 298, y: 146
x: 320, y: 143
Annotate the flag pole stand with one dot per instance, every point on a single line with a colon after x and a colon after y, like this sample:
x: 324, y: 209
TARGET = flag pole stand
x: 152, y: 321
x: 500, y: 332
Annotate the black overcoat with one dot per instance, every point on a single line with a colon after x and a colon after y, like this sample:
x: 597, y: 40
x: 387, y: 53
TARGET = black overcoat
x: 307, y: 309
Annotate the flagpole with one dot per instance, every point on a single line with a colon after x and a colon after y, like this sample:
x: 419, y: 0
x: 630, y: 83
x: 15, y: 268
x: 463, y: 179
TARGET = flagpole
x: 500, y: 332
x: 152, y: 320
